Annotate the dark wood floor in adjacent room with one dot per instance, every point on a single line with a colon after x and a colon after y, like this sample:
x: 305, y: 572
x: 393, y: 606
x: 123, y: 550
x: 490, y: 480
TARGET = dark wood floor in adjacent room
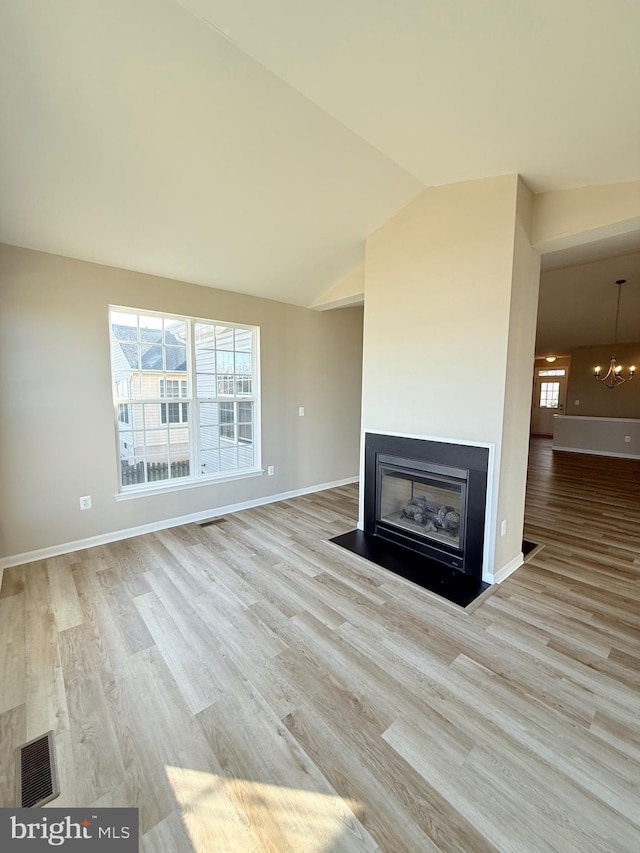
x: 253, y: 688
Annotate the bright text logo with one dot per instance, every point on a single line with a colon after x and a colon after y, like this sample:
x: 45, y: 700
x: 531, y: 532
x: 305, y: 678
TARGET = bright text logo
x: 32, y: 830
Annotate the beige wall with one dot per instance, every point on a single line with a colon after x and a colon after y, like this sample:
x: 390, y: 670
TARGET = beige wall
x: 517, y: 404
x: 450, y: 293
x: 595, y: 399
x: 558, y: 219
x: 57, y: 426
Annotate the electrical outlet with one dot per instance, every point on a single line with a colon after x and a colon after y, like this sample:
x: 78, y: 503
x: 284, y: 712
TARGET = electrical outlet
x: 271, y: 471
x: 301, y: 411
x: 85, y: 502
x: 576, y: 402
x: 627, y: 438
x: 503, y: 528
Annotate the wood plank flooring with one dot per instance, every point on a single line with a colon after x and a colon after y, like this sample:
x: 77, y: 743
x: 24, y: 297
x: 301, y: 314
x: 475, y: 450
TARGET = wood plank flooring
x: 251, y: 687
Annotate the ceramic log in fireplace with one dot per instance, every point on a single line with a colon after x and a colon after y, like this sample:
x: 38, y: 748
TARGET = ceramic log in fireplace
x: 424, y: 513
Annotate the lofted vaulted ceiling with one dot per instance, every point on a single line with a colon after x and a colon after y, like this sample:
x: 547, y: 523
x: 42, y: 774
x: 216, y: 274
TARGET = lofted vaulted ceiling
x: 577, y: 304
x: 253, y: 145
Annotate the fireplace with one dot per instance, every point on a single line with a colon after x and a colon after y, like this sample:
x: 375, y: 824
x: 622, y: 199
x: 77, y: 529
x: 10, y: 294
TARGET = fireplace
x: 428, y: 497
x: 422, y: 507
x: 424, y: 512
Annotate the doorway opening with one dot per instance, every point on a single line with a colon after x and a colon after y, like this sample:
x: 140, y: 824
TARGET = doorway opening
x: 549, y: 393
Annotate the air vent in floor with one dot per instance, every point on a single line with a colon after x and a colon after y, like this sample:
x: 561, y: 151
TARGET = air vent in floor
x: 37, y: 772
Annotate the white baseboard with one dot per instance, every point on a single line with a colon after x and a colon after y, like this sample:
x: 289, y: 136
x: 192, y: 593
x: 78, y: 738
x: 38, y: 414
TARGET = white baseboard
x: 116, y: 535
x: 503, y: 573
x: 597, y: 452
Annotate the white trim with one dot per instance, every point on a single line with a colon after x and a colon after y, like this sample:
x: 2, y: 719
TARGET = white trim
x: 503, y: 573
x: 163, y: 486
x: 490, y: 513
x: 127, y: 533
x: 192, y: 399
x: 597, y: 452
x: 596, y: 418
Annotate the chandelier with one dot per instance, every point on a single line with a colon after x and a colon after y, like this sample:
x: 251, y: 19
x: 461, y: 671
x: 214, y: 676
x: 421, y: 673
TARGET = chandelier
x: 613, y: 377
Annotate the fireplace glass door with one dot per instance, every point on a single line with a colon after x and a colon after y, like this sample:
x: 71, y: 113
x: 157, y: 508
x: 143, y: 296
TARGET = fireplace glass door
x: 422, y: 504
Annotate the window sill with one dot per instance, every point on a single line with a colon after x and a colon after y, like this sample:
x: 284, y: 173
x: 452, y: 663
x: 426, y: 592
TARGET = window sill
x: 163, y: 487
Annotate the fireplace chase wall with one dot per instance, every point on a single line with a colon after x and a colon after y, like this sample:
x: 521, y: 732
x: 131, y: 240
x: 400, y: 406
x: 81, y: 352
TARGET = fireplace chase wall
x: 428, y: 497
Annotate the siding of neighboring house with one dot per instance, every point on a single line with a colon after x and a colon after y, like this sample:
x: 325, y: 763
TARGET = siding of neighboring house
x: 152, y: 419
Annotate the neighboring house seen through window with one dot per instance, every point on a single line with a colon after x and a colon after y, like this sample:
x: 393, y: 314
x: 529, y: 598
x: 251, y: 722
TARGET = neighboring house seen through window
x: 173, y: 413
x: 186, y: 396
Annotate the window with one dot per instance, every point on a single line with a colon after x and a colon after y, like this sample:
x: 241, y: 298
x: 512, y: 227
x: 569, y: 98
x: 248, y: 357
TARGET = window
x: 186, y: 398
x: 173, y: 388
x: 549, y: 395
x: 559, y: 371
x: 173, y: 413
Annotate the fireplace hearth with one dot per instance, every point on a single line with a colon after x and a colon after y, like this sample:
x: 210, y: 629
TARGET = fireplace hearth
x: 424, y: 513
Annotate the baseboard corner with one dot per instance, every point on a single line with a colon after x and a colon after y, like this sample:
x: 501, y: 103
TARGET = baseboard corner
x: 503, y: 573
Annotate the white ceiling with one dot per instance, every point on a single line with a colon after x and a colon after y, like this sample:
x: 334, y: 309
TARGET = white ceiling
x: 253, y: 146
x: 577, y: 304
x: 459, y: 90
x: 599, y: 250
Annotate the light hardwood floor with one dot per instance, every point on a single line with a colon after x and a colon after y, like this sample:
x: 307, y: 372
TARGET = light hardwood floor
x: 252, y: 688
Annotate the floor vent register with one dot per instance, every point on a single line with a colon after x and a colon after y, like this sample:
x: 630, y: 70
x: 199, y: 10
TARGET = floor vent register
x: 37, y: 772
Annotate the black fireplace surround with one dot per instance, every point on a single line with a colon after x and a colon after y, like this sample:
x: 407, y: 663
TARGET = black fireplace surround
x: 457, y: 469
x: 424, y: 513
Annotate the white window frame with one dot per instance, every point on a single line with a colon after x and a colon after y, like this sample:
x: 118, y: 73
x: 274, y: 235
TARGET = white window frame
x: 196, y: 478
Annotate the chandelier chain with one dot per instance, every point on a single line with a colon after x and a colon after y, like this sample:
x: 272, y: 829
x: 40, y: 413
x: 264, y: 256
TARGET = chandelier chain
x: 615, y: 331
